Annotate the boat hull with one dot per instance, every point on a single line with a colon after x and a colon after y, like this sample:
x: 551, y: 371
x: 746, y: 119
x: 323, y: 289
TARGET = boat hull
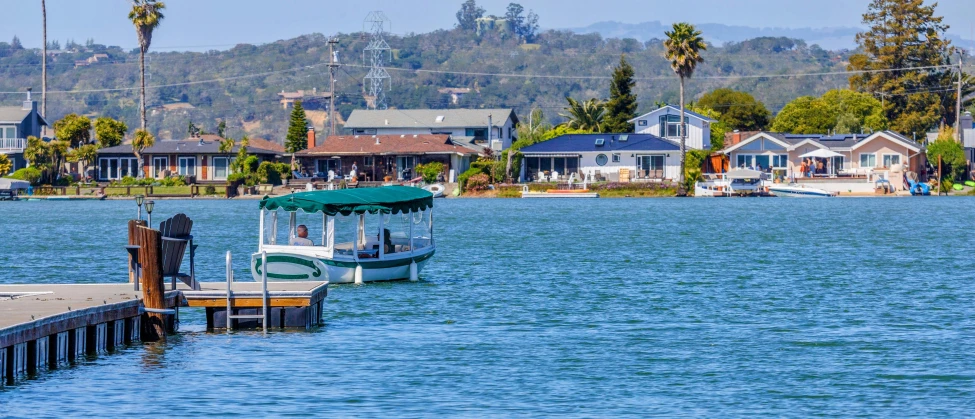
x: 286, y: 266
x: 800, y: 193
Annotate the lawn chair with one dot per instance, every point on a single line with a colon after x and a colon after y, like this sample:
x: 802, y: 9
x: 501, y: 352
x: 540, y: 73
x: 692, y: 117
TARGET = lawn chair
x: 555, y: 176
x: 175, y: 239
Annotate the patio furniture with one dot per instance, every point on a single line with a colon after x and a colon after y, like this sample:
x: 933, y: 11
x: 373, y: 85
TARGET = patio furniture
x: 175, y: 239
x: 598, y: 176
x: 555, y: 176
x: 541, y: 176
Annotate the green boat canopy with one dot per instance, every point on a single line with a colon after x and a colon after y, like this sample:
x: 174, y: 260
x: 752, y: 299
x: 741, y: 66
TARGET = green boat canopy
x: 389, y: 199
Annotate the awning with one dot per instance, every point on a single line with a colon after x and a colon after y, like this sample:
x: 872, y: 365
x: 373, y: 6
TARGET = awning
x: 822, y: 153
x: 389, y: 199
x: 550, y: 154
x: 8, y: 184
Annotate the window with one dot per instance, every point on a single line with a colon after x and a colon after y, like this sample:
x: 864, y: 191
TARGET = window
x: 601, y: 159
x: 364, y: 131
x: 220, y: 165
x: 159, y: 164
x: 368, y: 161
x: 891, y: 159
x: 642, y: 122
x: 128, y: 167
x: 8, y: 132
x: 780, y: 161
x: 868, y: 160
x: 187, y: 166
x: 103, y: 169
x: 650, y: 167
x: 478, y: 133
x: 670, y: 126
x: 616, y: 157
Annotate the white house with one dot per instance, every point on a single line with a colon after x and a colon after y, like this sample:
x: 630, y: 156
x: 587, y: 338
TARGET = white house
x: 602, y: 156
x: 462, y: 125
x: 665, y: 123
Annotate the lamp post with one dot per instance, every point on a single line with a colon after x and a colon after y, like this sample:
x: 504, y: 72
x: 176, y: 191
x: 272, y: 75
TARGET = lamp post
x: 138, y: 202
x: 149, y: 205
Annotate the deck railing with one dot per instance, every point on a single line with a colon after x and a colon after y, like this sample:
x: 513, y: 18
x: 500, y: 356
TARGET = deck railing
x: 7, y: 144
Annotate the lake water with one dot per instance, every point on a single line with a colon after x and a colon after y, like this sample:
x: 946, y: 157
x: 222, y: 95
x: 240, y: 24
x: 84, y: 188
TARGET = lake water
x: 604, y: 307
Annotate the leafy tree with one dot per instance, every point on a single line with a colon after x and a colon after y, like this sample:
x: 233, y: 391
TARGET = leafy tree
x: 58, y: 152
x: 841, y: 111
x: 297, y: 138
x: 587, y: 116
x: 718, y: 129
x: 5, y: 164
x: 146, y: 15
x: 141, y: 141
x: 621, y: 106
x: 226, y: 146
x: 37, y: 153
x: 905, y: 34
x: 221, y: 129
x: 523, y: 26
x: 84, y: 155
x: 952, y: 154
x: 74, y: 129
x: 738, y: 110
x: 192, y: 130
x: 468, y: 15
x: 109, y: 132
x: 683, y: 49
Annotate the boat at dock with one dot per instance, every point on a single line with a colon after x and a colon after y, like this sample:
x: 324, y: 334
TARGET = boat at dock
x: 738, y: 182
x: 799, y: 191
x: 366, y: 234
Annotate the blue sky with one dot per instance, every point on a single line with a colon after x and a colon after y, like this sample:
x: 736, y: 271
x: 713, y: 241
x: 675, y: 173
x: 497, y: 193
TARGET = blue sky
x: 204, y: 24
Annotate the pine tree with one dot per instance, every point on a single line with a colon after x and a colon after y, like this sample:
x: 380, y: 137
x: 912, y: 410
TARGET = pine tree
x: 905, y: 34
x: 621, y: 106
x: 297, y: 139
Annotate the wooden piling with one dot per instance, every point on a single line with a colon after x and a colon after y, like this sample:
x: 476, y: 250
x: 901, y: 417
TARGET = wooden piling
x: 150, y: 256
x: 133, y: 224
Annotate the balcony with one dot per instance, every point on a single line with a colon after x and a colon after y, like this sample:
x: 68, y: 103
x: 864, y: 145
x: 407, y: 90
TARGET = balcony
x: 15, y: 145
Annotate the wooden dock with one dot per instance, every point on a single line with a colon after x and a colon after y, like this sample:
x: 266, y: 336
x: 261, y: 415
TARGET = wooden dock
x: 48, y: 326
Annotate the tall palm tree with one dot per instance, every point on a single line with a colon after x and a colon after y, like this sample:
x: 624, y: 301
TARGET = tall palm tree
x: 683, y: 48
x: 44, y: 63
x: 146, y: 16
x: 586, y: 115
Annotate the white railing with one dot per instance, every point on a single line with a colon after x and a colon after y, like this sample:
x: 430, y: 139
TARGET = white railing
x: 18, y: 144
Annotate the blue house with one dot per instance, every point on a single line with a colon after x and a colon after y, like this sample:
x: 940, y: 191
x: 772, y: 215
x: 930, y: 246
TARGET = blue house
x: 16, y: 124
x: 645, y: 157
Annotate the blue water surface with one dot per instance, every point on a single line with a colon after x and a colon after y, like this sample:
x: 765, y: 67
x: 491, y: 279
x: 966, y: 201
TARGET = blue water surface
x: 635, y: 307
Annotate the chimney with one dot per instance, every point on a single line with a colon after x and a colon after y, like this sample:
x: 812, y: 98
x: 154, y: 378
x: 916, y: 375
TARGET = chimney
x: 311, y: 137
x: 735, y: 138
x: 29, y: 103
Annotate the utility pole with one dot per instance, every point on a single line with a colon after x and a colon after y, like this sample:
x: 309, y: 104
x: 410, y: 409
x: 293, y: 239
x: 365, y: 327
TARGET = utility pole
x: 333, y: 63
x: 44, y: 66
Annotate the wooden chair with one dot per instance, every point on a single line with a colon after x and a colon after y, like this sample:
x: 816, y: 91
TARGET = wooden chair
x: 175, y: 239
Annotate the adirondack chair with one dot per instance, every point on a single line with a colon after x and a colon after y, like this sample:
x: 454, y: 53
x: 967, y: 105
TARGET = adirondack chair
x: 175, y: 239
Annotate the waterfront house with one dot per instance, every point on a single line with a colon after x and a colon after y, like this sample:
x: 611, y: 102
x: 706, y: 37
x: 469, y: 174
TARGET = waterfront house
x: 665, y: 123
x: 610, y: 157
x: 884, y: 154
x: 462, y: 125
x: 16, y: 124
x: 378, y: 156
x: 199, y: 158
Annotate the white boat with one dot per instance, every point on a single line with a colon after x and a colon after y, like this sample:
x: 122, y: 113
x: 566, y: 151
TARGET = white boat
x: 366, y: 234
x: 738, y: 182
x: 436, y: 189
x: 799, y: 191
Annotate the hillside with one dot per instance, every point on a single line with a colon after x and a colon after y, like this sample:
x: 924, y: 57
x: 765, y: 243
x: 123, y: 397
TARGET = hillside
x: 497, y: 69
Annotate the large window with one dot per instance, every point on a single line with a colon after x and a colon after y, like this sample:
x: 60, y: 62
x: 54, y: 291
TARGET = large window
x: 780, y: 161
x: 891, y: 159
x: 477, y: 133
x: 364, y: 131
x: 323, y: 166
x: 651, y: 167
x: 868, y: 160
x: 670, y: 126
x: 220, y: 170
x: 187, y: 166
x: 112, y: 168
x: 159, y: 164
x: 763, y: 162
x: 8, y: 132
x: 563, y: 165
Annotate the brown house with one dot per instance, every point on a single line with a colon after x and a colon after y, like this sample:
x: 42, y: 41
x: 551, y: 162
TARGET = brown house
x: 378, y: 156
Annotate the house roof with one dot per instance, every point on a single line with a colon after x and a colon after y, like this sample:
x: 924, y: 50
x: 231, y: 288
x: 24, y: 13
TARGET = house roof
x: 832, y: 141
x: 670, y: 108
x: 191, y: 146
x: 265, y: 144
x: 339, y: 145
x: 14, y: 114
x: 586, y: 143
x: 428, y: 118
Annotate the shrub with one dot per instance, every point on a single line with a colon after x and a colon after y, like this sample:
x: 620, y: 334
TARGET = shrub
x: 430, y: 171
x: 478, y: 182
x: 173, y: 181
x: 267, y: 172
x: 462, y: 179
x: 30, y: 174
x: 210, y: 190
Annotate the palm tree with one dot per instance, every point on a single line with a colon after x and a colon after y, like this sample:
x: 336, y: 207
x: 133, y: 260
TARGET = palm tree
x: 44, y: 64
x: 586, y: 115
x: 683, y: 48
x: 141, y: 141
x: 146, y: 16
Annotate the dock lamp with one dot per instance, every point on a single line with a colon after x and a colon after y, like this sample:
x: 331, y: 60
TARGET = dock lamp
x: 149, y: 205
x: 138, y: 202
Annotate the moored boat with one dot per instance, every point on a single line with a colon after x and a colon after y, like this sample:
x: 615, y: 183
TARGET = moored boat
x: 366, y: 234
x: 799, y: 191
x: 737, y: 182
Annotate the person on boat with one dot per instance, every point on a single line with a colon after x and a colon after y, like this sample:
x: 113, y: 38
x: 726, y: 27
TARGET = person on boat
x: 302, y: 239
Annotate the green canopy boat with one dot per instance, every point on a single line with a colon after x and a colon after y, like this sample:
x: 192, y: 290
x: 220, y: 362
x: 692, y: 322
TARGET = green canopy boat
x: 368, y: 234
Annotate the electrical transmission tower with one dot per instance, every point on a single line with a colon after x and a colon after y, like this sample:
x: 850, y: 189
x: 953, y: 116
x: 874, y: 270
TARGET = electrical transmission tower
x: 377, y: 80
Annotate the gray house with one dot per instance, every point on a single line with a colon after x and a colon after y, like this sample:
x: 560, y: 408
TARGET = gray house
x: 16, y: 124
x: 469, y: 127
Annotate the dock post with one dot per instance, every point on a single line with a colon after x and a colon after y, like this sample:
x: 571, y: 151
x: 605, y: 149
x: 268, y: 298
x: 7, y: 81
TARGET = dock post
x: 150, y: 257
x: 133, y: 225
